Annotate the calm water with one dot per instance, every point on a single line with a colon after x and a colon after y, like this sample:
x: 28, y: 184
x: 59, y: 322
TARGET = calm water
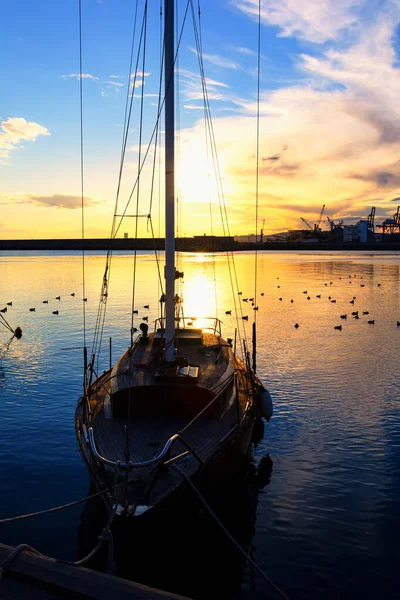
x: 324, y: 522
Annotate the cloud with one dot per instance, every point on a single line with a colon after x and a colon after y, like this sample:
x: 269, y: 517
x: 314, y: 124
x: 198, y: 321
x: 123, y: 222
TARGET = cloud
x: 13, y: 131
x: 333, y: 139
x: 78, y: 76
x: 62, y: 201
x: 55, y: 200
x: 140, y: 74
x: 191, y: 87
x: 115, y: 83
x: 316, y: 21
x: 138, y: 83
x: 243, y: 50
x: 272, y: 158
x: 193, y: 107
x: 217, y: 60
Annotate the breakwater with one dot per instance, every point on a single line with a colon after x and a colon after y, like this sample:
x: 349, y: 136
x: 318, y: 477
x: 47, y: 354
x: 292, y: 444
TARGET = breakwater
x: 194, y: 244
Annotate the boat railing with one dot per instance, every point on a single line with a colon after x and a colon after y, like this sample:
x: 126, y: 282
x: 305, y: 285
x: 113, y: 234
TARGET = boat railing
x: 146, y: 463
x: 212, y: 324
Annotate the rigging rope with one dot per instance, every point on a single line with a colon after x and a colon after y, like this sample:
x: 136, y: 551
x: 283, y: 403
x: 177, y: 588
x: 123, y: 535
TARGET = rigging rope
x: 218, y: 179
x: 257, y: 150
x: 139, y: 157
x: 82, y: 173
x: 208, y: 162
x: 104, y: 293
x: 97, y: 342
x: 257, y: 180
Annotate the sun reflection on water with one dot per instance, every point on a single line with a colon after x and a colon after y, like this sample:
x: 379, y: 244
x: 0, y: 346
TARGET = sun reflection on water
x: 199, y: 299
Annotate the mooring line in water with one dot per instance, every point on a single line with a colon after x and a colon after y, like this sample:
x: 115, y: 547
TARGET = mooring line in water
x: 106, y: 534
x: 238, y: 546
x: 50, y: 510
x: 6, y: 324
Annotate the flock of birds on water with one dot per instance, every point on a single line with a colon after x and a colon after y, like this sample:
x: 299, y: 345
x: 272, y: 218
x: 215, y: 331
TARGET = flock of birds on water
x: 57, y: 312
x: 354, y: 314
x: 33, y: 309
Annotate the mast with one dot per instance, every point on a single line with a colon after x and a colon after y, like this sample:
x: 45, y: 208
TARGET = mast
x: 169, y: 181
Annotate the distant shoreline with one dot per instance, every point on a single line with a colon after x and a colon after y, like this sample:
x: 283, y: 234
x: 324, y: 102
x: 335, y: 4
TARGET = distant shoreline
x: 195, y: 244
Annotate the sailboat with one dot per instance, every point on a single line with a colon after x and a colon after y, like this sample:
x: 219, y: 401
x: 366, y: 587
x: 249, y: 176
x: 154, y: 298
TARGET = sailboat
x: 180, y: 405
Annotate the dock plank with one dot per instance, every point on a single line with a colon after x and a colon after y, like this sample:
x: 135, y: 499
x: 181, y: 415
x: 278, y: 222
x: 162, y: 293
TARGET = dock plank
x: 41, y: 573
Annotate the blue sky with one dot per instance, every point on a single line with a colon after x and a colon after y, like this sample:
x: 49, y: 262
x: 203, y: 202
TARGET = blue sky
x: 330, y: 117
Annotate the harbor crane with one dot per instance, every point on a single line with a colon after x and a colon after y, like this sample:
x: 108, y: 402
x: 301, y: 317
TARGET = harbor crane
x: 262, y: 232
x: 316, y: 226
x: 391, y: 226
x: 333, y: 224
x: 371, y: 218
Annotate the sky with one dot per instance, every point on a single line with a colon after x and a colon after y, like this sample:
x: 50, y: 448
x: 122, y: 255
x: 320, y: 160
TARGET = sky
x: 329, y: 127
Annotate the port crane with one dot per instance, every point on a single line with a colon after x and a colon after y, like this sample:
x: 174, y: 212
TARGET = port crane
x: 262, y: 232
x: 391, y: 226
x: 316, y: 226
x: 371, y: 218
x: 333, y: 224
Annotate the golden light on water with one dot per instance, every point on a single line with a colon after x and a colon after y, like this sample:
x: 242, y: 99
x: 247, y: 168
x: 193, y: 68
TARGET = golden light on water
x: 199, y: 298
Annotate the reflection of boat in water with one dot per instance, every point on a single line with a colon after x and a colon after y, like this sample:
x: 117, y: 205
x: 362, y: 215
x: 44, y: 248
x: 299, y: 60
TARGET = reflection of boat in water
x: 187, y: 554
x: 180, y: 403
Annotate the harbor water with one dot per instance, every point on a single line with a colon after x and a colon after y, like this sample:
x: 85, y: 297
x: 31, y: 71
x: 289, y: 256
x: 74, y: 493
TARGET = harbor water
x: 317, y: 508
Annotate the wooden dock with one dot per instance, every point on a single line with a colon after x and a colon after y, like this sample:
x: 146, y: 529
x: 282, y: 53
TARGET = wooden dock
x: 40, y: 577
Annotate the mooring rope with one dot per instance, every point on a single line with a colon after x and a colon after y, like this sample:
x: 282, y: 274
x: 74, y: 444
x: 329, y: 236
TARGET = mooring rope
x: 13, y: 554
x: 50, y: 510
x: 234, y: 542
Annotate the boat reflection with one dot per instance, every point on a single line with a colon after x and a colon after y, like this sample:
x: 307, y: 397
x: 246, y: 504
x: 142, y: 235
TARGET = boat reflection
x: 186, y: 553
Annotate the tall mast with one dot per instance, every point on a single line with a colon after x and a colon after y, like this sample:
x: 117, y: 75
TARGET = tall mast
x: 169, y: 181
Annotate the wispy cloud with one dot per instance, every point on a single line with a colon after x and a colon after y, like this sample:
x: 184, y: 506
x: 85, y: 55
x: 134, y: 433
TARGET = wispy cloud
x: 193, y: 106
x: 192, y: 88
x: 115, y: 83
x: 217, y: 60
x: 316, y: 21
x: 13, y: 131
x: 140, y: 74
x: 243, y: 50
x: 55, y: 200
x: 79, y: 76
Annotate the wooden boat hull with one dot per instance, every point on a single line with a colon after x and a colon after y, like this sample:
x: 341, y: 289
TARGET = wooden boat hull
x: 201, y: 418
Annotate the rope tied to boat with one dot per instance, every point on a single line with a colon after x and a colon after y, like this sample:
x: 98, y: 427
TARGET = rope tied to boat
x: 13, y: 554
x: 105, y: 536
x: 54, y: 509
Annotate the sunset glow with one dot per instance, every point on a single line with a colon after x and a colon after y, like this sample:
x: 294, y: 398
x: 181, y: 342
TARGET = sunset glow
x: 329, y: 116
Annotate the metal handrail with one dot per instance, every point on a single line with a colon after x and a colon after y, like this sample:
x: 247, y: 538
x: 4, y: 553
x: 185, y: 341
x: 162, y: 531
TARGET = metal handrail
x: 167, y: 447
x: 216, y: 328
x: 130, y: 464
